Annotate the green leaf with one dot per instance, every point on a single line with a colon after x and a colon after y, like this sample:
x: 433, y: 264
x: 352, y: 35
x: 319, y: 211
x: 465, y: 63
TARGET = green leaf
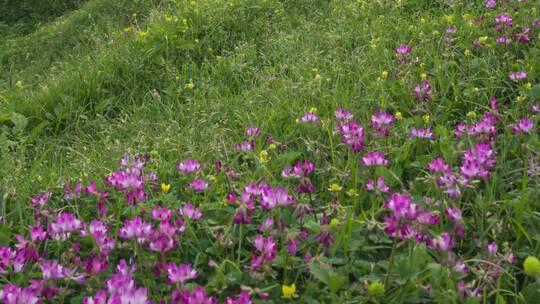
x: 19, y: 122
x: 320, y: 273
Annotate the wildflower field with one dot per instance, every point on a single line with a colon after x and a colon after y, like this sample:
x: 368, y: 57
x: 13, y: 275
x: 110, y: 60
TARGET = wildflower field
x: 269, y: 151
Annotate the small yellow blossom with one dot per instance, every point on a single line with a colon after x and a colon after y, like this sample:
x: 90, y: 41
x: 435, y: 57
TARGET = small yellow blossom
x: 384, y: 74
x: 435, y: 33
x: 168, y: 18
x: 176, y: 77
x: 528, y: 85
x: 467, y: 52
x: 520, y: 99
x: 142, y: 34
x: 334, y: 223
x: 19, y: 84
x: 272, y: 146
x: 472, y: 115
x: 483, y: 39
x: 352, y: 192
x: 313, y: 110
x: 422, y: 20
x: 335, y: 188
x: 318, y: 77
x: 289, y: 291
x: 190, y: 85
x: 263, y: 156
x: 212, y: 177
x: 426, y: 118
x: 423, y: 76
x: 127, y: 29
x: 165, y: 187
x: 399, y: 115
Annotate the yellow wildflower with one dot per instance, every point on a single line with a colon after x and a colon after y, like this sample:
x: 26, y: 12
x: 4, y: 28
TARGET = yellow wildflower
x: 335, y: 188
x: 263, y: 156
x: 483, y: 39
x: 165, y: 187
x: 289, y: 291
x: 399, y: 115
x: 190, y: 85
x: 426, y: 118
x: 423, y: 76
x: 352, y: 192
x: 384, y: 74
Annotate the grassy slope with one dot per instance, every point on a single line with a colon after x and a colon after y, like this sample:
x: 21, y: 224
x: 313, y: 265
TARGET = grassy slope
x: 250, y: 62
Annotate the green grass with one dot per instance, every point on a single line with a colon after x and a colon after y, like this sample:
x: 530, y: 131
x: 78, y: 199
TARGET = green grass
x: 79, y: 91
x: 105, y: 88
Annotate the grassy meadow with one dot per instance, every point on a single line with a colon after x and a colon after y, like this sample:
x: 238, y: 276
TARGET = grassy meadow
x: 269, y: 151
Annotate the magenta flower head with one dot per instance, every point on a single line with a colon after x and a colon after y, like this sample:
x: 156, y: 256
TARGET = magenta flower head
x: 503, y: 40
x: 198, y: 296
x: 266, y: 251
x: 443, y: 242
x: 523, y: 37
x: 379, y: 187
x: 74, y: 193
x: 181, y: 273
x: 343, y: 115
x: 136, y: 229
x: 490, y: 3
x: 352, y: 134
x: 190, y: 212
x: 402, y: 50
x: 252, y: 132
x: 198, y: 185
x: 422, y: 91
x: 453, y: 213
x: 492, y: 248
x: 41, y: 199
x: 13, y: 294
x: 504, y: 19
x: 477, y: 161
x: 381, y: 119
x: 300, y: 169
x: 309, y: 117
x: 421, y: 133
x: 374, y: 159
x: 524, y: 126
x: 243, y: 298
x: 189, y: 166
x: 402, y: 206
x: 64, y: 225
x: 271, y: 198
x: 38, y: 234
x: 519, y: 75
x: 246, y: 145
